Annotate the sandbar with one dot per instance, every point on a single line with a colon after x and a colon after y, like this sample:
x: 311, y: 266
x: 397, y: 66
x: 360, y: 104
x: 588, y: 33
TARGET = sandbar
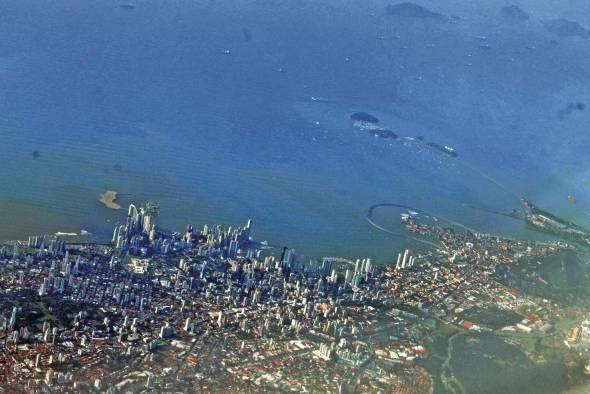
x: 108, y: 199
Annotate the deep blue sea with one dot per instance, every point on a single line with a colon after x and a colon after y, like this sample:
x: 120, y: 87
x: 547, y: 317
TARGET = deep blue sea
x: 205, y: 107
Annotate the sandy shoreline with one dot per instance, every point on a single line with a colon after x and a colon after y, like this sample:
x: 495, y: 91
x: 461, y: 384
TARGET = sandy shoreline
x: 108, y: 199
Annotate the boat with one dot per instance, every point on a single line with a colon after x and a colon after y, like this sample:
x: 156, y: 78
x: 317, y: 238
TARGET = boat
x: 571, y: 199
x: 127, y: 5
x: 318, y: 99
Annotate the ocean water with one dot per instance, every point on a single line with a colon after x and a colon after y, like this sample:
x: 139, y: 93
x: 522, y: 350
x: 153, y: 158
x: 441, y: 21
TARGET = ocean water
x: 148, y: 102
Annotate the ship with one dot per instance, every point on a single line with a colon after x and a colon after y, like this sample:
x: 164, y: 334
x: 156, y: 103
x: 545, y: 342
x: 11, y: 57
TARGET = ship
x: 319, y: 99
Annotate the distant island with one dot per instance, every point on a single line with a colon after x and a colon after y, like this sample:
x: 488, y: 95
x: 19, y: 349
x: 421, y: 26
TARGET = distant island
x: 412, y: 10
x: 108, y: 199
x: 364, y: 121
x: 566, y: 28
x: 515, y: 13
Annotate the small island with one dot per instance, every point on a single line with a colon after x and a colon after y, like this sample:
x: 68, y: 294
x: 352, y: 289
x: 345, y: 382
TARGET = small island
x: 108, y: 199
x: 412, y: 10
x: 364, y: 117
x: 384, y: 133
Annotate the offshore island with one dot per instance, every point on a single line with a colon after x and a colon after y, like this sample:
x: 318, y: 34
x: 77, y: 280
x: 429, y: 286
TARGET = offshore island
x: 214, y: 310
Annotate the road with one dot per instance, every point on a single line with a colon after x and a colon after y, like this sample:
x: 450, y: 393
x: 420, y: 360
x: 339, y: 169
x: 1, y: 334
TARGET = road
x: 451, y: 383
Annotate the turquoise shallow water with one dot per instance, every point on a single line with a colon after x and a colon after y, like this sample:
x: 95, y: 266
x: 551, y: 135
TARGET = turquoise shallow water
x: 146, y: 102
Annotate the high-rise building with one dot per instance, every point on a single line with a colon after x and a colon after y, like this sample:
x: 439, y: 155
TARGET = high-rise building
x: 232, y: 250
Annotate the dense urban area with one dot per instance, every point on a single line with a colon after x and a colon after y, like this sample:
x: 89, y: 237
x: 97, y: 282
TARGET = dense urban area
x: 213, y: 310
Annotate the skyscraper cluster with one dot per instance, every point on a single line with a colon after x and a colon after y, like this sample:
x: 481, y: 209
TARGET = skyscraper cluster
x: 406, y: 261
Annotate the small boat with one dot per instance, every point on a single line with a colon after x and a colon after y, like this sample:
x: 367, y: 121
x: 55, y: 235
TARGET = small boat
x: 127, y: 5
x: 571, y: 199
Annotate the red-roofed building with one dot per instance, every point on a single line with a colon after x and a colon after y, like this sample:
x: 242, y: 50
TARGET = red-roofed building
x: 466, y: 324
